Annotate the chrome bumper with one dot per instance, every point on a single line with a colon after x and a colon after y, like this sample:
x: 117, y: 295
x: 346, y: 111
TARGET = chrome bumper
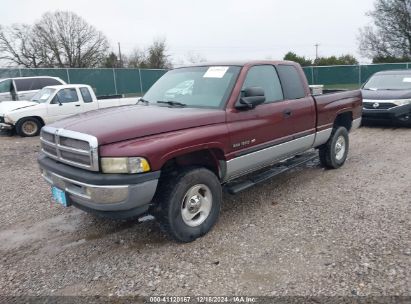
x: 5, y: 126
x: 103, y: 197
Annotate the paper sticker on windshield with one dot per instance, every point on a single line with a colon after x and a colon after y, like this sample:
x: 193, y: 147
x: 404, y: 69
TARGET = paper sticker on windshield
x: 215, y: 72
x: 406, y: 79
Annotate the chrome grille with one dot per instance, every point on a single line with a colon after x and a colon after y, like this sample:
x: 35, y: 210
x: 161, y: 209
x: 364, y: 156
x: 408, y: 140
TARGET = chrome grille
x: 47, y: 136
x: 69, y: 147
x: 74, y: 143
x: 381, y: 105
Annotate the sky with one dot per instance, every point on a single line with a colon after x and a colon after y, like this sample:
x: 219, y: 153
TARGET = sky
x: 216, y: 30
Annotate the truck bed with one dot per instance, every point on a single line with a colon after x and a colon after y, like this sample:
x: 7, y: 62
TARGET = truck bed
x: 331, y: 104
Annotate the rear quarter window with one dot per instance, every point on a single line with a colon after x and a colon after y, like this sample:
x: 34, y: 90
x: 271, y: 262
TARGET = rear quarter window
x: 291, y: 81
x: 85, y: 93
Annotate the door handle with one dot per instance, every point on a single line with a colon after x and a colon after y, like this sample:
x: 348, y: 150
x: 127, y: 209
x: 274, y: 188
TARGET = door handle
x: 77, y: 105
x: 287, y: 113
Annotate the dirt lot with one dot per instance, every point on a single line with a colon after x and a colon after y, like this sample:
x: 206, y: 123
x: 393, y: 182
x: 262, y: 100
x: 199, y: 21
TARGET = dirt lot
x: 308, y: 232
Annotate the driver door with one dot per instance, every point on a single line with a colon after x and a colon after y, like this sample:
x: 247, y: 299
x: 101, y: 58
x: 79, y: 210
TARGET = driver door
x: 64, y: 104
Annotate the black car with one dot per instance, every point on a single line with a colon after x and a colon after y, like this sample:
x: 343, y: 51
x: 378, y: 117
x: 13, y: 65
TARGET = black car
x: 387, y: 96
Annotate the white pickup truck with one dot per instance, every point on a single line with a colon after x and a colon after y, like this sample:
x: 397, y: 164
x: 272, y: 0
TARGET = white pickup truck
x: 50, y: 104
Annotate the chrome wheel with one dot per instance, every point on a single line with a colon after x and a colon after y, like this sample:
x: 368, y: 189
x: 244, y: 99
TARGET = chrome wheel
x: 196, y: 205
x: 340, y: 147
x: 29, y: 128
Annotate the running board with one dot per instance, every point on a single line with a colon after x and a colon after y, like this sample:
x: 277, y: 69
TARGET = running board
x: 281, y: 167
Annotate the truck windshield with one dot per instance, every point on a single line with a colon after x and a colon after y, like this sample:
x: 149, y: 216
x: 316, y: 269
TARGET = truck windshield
x: 43, y: 95
x: 202, y: 87
x: 389, y: 82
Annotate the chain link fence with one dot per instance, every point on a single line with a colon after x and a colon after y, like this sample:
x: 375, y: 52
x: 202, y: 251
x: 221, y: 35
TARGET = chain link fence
x: 135, y: 82
x: 128, y: 82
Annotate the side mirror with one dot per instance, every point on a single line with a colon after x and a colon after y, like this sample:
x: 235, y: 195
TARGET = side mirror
x: 251, y: 97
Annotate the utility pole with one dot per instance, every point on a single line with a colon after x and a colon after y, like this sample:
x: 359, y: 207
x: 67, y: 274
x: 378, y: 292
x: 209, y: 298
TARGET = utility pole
x: 316, y: 50
x: 119, y: 56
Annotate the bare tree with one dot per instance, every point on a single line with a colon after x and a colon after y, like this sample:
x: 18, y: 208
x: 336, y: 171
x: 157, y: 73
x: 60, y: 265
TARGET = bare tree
x: 73, y: 42
x: 194, y: 58
x: 157, y: 57
x: 154, y: 57
x: 390, y: 35
x: 137, y: 59
x: 59, y: 39
x: 19, y: 46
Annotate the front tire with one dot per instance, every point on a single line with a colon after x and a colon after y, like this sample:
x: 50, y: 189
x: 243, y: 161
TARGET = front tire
x: 334, y: 152
x: 188, y: 205
x: 28, y: 127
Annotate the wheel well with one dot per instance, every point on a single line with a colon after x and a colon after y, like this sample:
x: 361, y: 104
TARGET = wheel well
x: 210, y: 159
x: 344, y: 120
x: 36, y: 117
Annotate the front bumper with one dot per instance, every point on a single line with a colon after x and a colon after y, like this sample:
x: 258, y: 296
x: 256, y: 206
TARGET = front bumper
x: 5, y: 126
x: 394, y: 113
x: 113, y: 195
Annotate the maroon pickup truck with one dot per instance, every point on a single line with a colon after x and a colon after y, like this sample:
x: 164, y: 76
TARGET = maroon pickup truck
x: 197, y: 131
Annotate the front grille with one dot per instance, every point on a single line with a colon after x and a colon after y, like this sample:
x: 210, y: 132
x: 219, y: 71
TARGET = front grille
x: 74, y: 143
x: 73, y: 148
x: 47, y: 136
x: 381, y: 105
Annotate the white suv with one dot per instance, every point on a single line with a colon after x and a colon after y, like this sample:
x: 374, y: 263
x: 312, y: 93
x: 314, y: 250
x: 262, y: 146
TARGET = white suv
x: 23, y: 88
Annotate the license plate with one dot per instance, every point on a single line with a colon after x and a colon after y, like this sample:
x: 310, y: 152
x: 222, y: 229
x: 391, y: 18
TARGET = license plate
x: 59, y: 196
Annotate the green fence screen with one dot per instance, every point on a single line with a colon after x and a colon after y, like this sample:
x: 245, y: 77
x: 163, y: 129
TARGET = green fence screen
x: 103, y: 81
x: 137, y: 81
x: 347, y: 76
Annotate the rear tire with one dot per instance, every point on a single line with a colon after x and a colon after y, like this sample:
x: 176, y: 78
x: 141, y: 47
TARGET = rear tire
x: 28, y: 127
x: 188, y: 205
x: 334, y: 152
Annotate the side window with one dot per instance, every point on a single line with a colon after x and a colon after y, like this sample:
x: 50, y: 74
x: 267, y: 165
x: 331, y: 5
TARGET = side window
x: 24, y: 84
x: 5, y: 86
x: 67, y: 95
x: 291, y: 81
x: 85, y: 93
x: 265, y: 76
x: 40, y: 83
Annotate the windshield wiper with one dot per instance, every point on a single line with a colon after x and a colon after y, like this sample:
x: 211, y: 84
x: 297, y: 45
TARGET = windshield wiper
x: 142, y: 100
x: 173, y: 103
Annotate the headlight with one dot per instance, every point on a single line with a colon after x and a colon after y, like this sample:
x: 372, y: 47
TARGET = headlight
x: 124, y: 165
x: 402, y: 102
x: 7, y: 119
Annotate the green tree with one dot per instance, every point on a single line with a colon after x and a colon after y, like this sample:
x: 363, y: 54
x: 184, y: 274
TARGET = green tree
x: 333, y: 60
x: 299, y: 59
x: 111, y: 61
x: 390, y: 59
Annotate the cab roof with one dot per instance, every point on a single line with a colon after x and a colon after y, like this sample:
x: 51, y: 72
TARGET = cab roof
x: 67, y: 86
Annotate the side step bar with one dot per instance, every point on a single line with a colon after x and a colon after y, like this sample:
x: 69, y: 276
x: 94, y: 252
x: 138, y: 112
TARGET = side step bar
x: 281, y: 167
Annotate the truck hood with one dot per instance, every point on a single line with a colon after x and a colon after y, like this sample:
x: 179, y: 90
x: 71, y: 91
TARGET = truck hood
x: 7, y: 106
x: 121, y: 123
x: 386, y: 94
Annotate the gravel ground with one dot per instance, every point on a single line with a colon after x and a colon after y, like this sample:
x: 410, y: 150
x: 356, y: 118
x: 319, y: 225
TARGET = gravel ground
x: 307, y: 232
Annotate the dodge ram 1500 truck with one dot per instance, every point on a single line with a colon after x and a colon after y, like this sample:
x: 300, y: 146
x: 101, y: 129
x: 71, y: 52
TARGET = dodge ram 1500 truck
x: 172, y: 154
